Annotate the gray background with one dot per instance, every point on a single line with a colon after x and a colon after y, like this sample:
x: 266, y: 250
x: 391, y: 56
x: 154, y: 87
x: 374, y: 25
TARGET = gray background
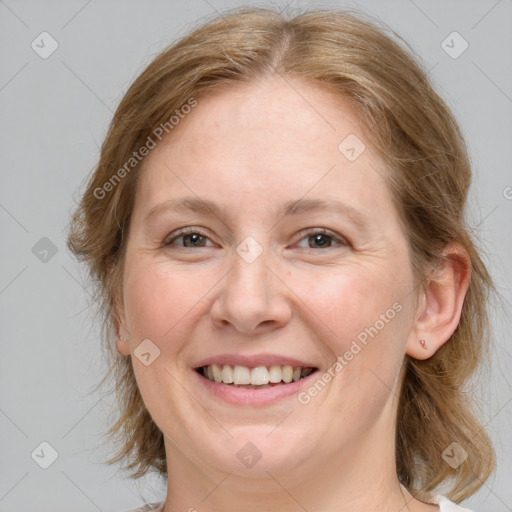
x: 54, y: 113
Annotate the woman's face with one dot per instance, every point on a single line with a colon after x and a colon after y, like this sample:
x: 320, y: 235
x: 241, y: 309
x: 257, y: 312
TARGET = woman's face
x: 253, y: 284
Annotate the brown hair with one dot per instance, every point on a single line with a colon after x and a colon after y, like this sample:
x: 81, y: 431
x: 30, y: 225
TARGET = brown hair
x: 409, y: 126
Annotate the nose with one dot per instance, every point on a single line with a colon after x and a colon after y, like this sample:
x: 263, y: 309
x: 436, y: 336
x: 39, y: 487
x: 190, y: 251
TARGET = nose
x: 253, y: 297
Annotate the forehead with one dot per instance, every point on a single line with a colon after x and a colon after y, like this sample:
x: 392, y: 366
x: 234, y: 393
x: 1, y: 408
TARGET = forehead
x: 279, y: 138
x: 285, y: 111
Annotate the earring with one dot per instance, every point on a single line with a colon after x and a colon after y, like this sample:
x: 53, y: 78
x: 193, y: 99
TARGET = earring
x: 423, y: 343
x: 122, y: 338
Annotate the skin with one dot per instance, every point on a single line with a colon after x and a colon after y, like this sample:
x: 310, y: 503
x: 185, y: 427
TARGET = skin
x: 251, y: 148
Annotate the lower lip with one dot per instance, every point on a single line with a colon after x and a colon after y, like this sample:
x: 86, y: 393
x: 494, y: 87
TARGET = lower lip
x: 246, y: 396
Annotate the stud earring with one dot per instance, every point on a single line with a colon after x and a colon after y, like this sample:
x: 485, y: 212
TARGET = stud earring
x: 122, y: 338
x: 423, y: 343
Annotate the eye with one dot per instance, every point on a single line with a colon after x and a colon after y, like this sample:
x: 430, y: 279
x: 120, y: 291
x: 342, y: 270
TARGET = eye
x: 317, y: 239
x: 323, y: 239
x: 190, y: 238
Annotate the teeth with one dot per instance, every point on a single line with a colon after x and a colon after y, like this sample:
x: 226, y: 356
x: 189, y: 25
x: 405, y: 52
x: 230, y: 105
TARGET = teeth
x: 287, y: 373
x: 241, y: 375
x: 306, y: 372
x: 227, y: 374
x: 258, y: 376
x: 217, y: 374
x: 275, y: 374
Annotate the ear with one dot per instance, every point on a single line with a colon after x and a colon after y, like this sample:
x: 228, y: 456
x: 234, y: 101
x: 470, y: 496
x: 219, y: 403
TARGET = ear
x: 440, y: 303
x: 122, y: 345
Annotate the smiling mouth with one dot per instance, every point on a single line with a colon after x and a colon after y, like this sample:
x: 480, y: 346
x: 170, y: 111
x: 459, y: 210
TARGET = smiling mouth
x: 259, y: 377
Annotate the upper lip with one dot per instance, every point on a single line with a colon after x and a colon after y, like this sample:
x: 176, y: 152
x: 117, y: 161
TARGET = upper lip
x: 253, y: 361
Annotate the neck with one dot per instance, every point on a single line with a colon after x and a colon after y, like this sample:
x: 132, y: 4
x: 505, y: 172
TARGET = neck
x: 362, y: 477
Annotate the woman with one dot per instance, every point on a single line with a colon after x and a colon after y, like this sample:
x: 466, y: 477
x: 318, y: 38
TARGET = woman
x: 276, y: 226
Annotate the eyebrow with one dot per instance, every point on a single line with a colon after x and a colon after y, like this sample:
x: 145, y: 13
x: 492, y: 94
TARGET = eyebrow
x: 209, y: 208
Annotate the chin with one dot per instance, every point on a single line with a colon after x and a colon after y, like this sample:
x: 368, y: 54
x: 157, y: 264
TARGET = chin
x: 255, y: 451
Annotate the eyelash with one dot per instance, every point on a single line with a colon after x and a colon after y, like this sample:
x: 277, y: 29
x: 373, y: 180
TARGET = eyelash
x: 342, y: 242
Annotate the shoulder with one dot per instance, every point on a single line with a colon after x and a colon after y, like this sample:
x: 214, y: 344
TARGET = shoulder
x: 446, y: 505
x: 149, y: 507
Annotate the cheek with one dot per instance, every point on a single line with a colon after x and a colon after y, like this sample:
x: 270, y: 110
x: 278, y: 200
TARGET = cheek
x: 349, y: 302
x: 158, y: 297
x: 361, y: 318
x: 363, y: 323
